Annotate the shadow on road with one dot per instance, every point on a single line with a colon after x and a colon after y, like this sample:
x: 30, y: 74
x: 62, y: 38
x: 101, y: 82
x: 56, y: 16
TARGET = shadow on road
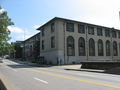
x: 28, y: 66
x: 115, y: 71
x: 22, y: 64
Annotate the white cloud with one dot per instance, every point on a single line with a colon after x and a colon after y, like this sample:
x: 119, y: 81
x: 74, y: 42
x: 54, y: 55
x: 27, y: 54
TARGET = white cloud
x: 22, y: 37
x: 101, y: 12
x: 15, y: 29
x: 36, y: 26
x: 2, y: 10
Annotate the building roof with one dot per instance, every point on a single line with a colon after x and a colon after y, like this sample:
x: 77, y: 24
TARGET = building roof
x: 31, y: 37
x: 58, y: 18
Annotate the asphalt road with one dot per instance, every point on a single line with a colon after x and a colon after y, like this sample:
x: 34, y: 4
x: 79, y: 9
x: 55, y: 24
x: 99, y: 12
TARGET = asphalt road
x: 25, y: 77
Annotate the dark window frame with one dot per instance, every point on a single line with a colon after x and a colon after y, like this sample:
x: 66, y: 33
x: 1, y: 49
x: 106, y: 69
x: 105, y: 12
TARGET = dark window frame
x: 81, y: 28
x: 119, y: 48
x: 70, y: 27
x: 107, y: 32
x: 52, y: 27
x: 100, y: 48
x: 70, y: 46
x: 52, y: 42
x: 114, y: 34
x: 81, y: 46
x: 115, y: 48
x: 99, y: 31
x: 43, y: 44
x: 119, y: 34
x: 43, y: 32
x: 108, y: 46
x: 91, y: 30
x: 91, y: 47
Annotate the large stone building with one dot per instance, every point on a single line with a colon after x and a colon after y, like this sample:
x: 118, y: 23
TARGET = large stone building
x: 67, y: 42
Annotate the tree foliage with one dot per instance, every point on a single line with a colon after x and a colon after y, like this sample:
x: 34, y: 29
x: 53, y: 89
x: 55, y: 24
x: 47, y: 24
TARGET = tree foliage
x: 5, y: 21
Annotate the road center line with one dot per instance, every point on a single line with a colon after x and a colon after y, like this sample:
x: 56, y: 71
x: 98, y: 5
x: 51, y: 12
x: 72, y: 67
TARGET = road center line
x: 41, y: 80
x: 71, y: 78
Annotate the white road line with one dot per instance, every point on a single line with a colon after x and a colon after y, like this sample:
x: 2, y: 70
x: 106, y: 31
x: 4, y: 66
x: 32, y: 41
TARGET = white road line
x: 41, y: 80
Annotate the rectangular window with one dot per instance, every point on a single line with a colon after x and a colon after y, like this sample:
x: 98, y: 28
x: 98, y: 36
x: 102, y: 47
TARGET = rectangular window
x: 70, y: 27
x: 52, y: 27
x: 118, y: 34
x: 43, y: 45
x: 43, y: 33
x: 53, y: 42
x: 107, y: 33
x: 114, y: 34
x: 99, y: 32
x: 81, y: 28
x: 91, y: 30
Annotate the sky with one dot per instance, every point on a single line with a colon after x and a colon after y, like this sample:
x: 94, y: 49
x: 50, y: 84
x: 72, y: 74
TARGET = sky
x: 27, y: 15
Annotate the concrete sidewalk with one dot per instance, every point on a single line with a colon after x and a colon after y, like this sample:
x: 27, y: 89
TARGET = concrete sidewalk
x: 75, y: 67
x: 6, y: 85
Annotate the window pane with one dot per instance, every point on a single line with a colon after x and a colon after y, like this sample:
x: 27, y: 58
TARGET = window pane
x: 91, y: 30
x: 42, y: 32
x: 52, y: 42
x: 81, y: 28
x: 114, y: 34
x: 70, y: 27
x: 115, y: 52
x: 107, y: 48
x: 118, y: 34
x: 70, y: 46
x: 52, y: 27
x: 42, y: 44
x: 91, y: 47
x: 81, y: 44
x: 107, y: 33
x: 100, y: 47
x: 99, y: 32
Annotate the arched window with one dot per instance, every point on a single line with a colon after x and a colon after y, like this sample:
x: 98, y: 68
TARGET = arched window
x: 70, y: 46
x: 81, y: 45
x: 91, y: 47
x: 107, y: 48
x: 100, y: 48
x: 115, y: 52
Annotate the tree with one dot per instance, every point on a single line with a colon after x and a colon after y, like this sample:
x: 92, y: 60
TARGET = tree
x: 5, y: 21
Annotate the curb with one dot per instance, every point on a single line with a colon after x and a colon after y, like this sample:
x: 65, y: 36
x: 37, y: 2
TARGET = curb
x: 2, y: 86
x: 6, y: 84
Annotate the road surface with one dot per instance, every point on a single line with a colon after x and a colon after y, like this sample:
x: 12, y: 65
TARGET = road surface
x: 25, y: 77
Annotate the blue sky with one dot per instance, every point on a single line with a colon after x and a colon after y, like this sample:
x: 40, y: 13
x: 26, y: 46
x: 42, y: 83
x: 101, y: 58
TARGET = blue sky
x: 29, y: 14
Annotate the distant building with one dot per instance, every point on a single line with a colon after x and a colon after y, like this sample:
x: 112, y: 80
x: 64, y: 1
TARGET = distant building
x: 64, y: 41
x: 18, y: 50
x: 31, y: 47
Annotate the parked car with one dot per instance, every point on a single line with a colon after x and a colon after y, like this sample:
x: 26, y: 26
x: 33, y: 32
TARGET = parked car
x: 6, y: 56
